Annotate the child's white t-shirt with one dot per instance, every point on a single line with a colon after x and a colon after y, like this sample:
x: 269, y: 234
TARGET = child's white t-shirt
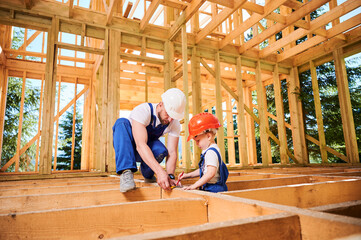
x: 141, y: 114
x: 211, y: 159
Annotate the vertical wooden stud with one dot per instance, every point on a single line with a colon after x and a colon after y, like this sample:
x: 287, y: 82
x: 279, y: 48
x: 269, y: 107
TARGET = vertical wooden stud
x: 317, y: 100
x: 242, y: 141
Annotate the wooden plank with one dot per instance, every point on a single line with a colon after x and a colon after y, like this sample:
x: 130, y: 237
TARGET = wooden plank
x: 219, y: 101
x: 230, y: 132
x: 110, y: 11
x: 251, y: 138
x: 262, y: 117
x: 260, y: 227
x: 291, y: 19
x: 350, y: 209
x: 18, y: 204
x: 184, y: 18
x: 253, y: 19
x: 348, y: 124
x: 71, y: 8
x: 218, y: 20
x: 80, y: 48
x: 3, y: 98
x: 280, y: 116
x: 306, y: 195
x: 264, y: 183
x: 196, y: 96
x: 187, y: 152
x: 241, y: 124
x: 127, y: 10
x: 49, y: 100
x: 315, y: 24
x: 76, y: 221
x: 318, y: 109
x: 147, y: 16
x: 295, y: 106
x: 137, y: 58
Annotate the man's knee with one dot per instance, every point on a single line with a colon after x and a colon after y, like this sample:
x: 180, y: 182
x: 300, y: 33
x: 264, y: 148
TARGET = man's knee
x: 159, y: 150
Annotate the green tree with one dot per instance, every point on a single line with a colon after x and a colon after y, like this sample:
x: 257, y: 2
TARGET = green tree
x: 65, y: 141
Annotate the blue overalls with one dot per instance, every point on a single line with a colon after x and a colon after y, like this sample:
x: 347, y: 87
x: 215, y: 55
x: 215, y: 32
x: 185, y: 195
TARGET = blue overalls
x: 220, y: 185
x: 126, y: 154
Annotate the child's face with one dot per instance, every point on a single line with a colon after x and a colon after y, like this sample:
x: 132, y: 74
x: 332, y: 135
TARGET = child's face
x: 203, y: 140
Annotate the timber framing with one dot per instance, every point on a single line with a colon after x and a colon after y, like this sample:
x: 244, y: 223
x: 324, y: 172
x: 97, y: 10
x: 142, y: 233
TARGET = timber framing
x: 225, y: 55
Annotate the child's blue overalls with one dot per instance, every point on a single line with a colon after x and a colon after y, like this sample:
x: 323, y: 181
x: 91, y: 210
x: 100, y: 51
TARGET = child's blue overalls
x: 126, y: 154
x: 219, y: 186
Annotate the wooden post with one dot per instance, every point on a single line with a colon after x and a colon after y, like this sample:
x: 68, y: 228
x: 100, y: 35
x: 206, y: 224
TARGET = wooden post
x: 196, y: 96
x: 187, y: 153
x: 242, y: 141
x: 280, y: 116
x: 317, y: 100
x: 57, y: 125
x: 169, y: 66
x: 230, y: 132
x: 262, y: 109
x: 346, y: 108
x: 73, y: 131
x: 251, y: 137
x: 295, y: 106
x: 219, y: 111
x: 3, y: 96
x: 104, y: 141
x: 39, y: 124
x: 113, y: 93
x: 49, y: 100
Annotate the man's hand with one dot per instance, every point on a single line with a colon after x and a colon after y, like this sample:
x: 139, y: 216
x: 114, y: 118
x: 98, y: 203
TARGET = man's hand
x: 164, y: 181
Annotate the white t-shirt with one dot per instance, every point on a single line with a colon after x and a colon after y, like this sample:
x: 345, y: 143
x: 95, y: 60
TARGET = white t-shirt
x: 141, y: 114
x: 211, y: 159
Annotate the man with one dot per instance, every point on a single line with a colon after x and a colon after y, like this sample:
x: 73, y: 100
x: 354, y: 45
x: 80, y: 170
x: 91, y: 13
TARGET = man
x: 137, y: 140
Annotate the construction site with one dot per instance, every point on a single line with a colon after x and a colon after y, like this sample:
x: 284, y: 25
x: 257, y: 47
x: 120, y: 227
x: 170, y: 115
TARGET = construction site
x: 283, y: 77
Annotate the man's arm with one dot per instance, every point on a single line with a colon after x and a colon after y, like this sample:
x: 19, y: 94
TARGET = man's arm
x: 172, y: 154
x: 141, y: 137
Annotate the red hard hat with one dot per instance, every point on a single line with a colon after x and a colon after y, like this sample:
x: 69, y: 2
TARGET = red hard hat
x: 201, y: 122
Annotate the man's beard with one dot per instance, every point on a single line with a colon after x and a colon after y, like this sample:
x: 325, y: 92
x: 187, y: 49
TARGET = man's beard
x: 162, y: 121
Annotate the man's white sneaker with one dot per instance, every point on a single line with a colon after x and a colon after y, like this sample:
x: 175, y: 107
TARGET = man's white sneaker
x: 126, y: 181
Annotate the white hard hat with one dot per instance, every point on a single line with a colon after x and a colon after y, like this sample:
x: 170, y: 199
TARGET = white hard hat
x: 174, y: 102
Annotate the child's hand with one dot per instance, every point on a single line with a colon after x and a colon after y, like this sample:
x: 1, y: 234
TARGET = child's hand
x: 191, y: 187
x: 181, y: 176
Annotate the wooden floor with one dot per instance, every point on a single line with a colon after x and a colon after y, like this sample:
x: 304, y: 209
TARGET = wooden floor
x: 272, y: 203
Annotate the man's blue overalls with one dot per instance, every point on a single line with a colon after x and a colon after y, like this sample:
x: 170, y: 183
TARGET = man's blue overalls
x: 219, y: 186
x: 126, y: 154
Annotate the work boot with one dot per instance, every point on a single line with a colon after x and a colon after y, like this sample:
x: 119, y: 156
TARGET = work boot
x: 126, y: 181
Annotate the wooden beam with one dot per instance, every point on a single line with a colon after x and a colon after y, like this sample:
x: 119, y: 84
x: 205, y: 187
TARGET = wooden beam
x: 318, y: 109
x: 226, y: 3
x: 348, y: 124
x: 262, y: 117
x: 219, y: 101
x: 187, y: 154
x: 241, y: 124
x: 260, y: 227
x: 148, y: 15
x: 230, y: 131
x: 28, y: 4
x: 137, y: 58
x: 302, y: 196
x: 51, y: 224
x: 127, y: 10
x: 280, y: 116
x: 314, y: 25
x: 49, y: 100
x: 183, y: 19
x: 80, y: 48
x: 3, y: 98
x: 218, y: 20
x: 338, y: 29
x: 71, y: 8
x: 298, y: 128
x: 291, y: 19
x: 110, y: 12
x: 270, y: 7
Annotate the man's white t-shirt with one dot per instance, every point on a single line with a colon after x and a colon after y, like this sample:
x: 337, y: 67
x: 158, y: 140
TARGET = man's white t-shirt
x: 211, y: 159
x: 141, y: 114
